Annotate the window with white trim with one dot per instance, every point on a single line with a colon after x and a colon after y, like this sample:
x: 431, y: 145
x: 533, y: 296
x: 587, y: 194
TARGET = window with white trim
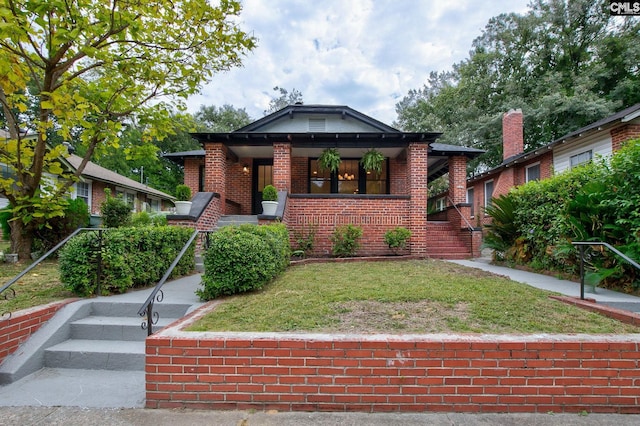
x: 83, y: 191
x: 583, y: 157
x: 470, y: 200
x: 127, y: 197
x: 154, y: 204
x: 441, y: 204
x: 533, y: 172
x: 488, y: 192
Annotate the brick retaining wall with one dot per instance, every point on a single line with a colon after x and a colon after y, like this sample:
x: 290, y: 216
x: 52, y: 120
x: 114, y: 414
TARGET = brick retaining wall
x: 384, y: 373
x: 22, y: 324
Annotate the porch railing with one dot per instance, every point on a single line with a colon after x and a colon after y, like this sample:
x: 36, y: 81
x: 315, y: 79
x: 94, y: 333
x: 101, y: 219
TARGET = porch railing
x: 469, y: 227
x: 581, y: 246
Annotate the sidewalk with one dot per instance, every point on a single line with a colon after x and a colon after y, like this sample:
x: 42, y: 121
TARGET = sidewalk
x: 606, y: 297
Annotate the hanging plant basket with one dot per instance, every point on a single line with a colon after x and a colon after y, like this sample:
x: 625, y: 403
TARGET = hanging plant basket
x: 372, y: 161
x: 329, y: 160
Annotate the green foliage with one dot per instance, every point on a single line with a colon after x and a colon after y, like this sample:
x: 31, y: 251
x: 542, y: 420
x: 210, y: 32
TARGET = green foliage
x: 502, y: 231
x: 115, y: 211
x: 223, y: 119
x: 397, y: 238
x: 131, y: 257
x: 285, y: 99
x: 305, y: 239
x: 346, y: 240
x: 269, y: 193
x: 595, y: 202
x: 148, y: 219
x: 76, y: 215
x: 76, y: 71
x: 244, y: 258
x: 372, y: 161
x: 5, y: 216
x: 329, y: 159
x: 183, y: 193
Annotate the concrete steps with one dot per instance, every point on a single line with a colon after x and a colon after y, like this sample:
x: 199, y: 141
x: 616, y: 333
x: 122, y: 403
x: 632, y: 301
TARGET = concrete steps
x: 109, y: 337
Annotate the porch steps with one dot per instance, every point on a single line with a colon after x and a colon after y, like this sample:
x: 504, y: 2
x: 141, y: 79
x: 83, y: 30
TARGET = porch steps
x: 109, y: 337
x: 444, y: 242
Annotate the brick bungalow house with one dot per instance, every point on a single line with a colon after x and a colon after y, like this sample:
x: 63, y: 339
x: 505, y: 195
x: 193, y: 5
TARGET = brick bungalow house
x: 228, y: 174
x: 598, y: 139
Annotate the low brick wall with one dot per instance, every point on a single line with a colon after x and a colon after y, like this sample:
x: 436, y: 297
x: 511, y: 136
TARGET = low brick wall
x: 384, y: 373
x: 22, y: 324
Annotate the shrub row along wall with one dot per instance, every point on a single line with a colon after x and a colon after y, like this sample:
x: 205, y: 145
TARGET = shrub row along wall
x: 22, y: 324
x: 368, y: 373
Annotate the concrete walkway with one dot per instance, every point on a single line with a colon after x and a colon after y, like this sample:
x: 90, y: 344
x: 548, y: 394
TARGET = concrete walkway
x: 94, y: 397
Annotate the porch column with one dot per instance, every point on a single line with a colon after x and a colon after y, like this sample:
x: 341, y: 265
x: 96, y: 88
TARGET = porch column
x: 417, y: 163
x: 282, y: 166
x: 458, y: 191
x: 215, y: 161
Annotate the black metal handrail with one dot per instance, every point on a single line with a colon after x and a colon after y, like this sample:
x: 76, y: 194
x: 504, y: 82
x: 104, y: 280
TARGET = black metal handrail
x: 8, y: 285
x: 157, y: 295
x: 582, y: 244
x: 469, y: 227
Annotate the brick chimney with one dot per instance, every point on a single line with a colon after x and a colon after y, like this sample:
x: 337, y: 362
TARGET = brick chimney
x: 512, y: 134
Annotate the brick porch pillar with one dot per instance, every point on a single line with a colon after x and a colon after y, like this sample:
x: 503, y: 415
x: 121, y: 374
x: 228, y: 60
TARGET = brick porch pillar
x: 417, y: 176
x: 458, y: 191
x: 216, y: 171
x: 282, y: 166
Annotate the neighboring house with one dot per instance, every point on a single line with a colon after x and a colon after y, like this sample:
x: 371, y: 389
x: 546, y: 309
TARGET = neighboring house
x: 598, y: 139
x: 95, y: 179
x: 282, y: 149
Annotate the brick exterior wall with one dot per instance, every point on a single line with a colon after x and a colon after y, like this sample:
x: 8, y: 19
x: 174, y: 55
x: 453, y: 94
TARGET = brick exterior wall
x: 624, y: 133
x: 215, y: 179
x: 374, y: 215
x: 282, y: 166
x: 417, y: 182
x: 398, y: 184
x: 192, y: 173
x: 206, y: 221
x: 239, y: 187
x: 98, y: 196
x: 299, y: 175
x: 512, y: 134
x: 22, y: 324
x: 391, y: 373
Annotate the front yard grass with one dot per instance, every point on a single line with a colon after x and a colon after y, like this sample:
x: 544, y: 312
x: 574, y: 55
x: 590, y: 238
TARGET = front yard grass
x: 39, y: 286
x: 401, y: 297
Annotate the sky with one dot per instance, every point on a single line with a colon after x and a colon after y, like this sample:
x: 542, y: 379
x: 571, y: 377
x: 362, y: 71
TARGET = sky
x: 366, y: 54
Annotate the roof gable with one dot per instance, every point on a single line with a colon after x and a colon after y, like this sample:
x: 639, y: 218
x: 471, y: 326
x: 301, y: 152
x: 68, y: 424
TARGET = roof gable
x: 317, y: 119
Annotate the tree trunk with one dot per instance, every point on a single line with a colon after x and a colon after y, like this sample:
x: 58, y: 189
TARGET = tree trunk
x: 21, y: 239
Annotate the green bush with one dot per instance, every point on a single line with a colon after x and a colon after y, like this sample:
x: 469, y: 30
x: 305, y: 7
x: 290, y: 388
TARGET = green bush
x: 244, y: 258
x: 148, y: 219
x: 183, y: 193
x: 5, y: 216
x: 115, y: 211
x: 56, y: 229
x: 345, y: 240
x: 397, y: 238
x: 269, y: 193
x: 305, y: 239
x: 131, y: 257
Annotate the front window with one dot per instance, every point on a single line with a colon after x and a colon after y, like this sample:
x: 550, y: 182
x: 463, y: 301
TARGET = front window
x: 129, y: 198
x: 83, y: 191
x: 583, y: 157
x: 488, y: 193
x: 470, y: 200
x: 350, y: 178
x: 533, y: 172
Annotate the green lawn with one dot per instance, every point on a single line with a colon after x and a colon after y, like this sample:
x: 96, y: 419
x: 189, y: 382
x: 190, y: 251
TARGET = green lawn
x: 38, y: 287
x: 401, y: 297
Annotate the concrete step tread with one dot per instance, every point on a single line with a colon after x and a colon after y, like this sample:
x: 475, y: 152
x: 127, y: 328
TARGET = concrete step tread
x: 99, y: 346
x: 120, y: 321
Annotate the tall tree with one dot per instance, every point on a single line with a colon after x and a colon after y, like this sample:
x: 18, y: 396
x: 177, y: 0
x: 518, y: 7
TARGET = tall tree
x: 89, y: 65
x: 554, y: 62
x: 222, y: 119
x: 285, y: 98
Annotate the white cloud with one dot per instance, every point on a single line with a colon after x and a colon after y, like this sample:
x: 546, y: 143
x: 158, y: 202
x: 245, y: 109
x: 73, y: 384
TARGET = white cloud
x: 366, y: 54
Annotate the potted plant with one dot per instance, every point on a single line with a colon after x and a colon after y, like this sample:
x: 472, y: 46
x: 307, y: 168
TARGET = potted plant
x: 329, y: 160
x: 183, y: 199
x: 372, y: 161
x: 269, y: 200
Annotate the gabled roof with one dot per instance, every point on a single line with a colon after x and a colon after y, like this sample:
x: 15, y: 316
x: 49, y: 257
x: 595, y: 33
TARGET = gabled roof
x: 95, y: 172
x: 627, y: 114
x: 341, y: 110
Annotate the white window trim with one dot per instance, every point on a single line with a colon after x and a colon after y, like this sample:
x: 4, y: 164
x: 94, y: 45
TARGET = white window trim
x: 526, y: 177
x: 128, y: 191
x: 89, y: 189
x: 440, y: 204
x: 571, y: 157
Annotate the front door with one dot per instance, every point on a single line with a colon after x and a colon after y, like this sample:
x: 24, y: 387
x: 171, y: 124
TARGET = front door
x: 262, y: 176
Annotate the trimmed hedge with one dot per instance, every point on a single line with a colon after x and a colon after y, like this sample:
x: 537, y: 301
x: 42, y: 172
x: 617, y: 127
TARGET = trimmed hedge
x: 244, y: 258
x: 131, y: 257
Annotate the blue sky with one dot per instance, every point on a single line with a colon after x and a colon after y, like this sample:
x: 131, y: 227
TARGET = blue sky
x: 366, y: 54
